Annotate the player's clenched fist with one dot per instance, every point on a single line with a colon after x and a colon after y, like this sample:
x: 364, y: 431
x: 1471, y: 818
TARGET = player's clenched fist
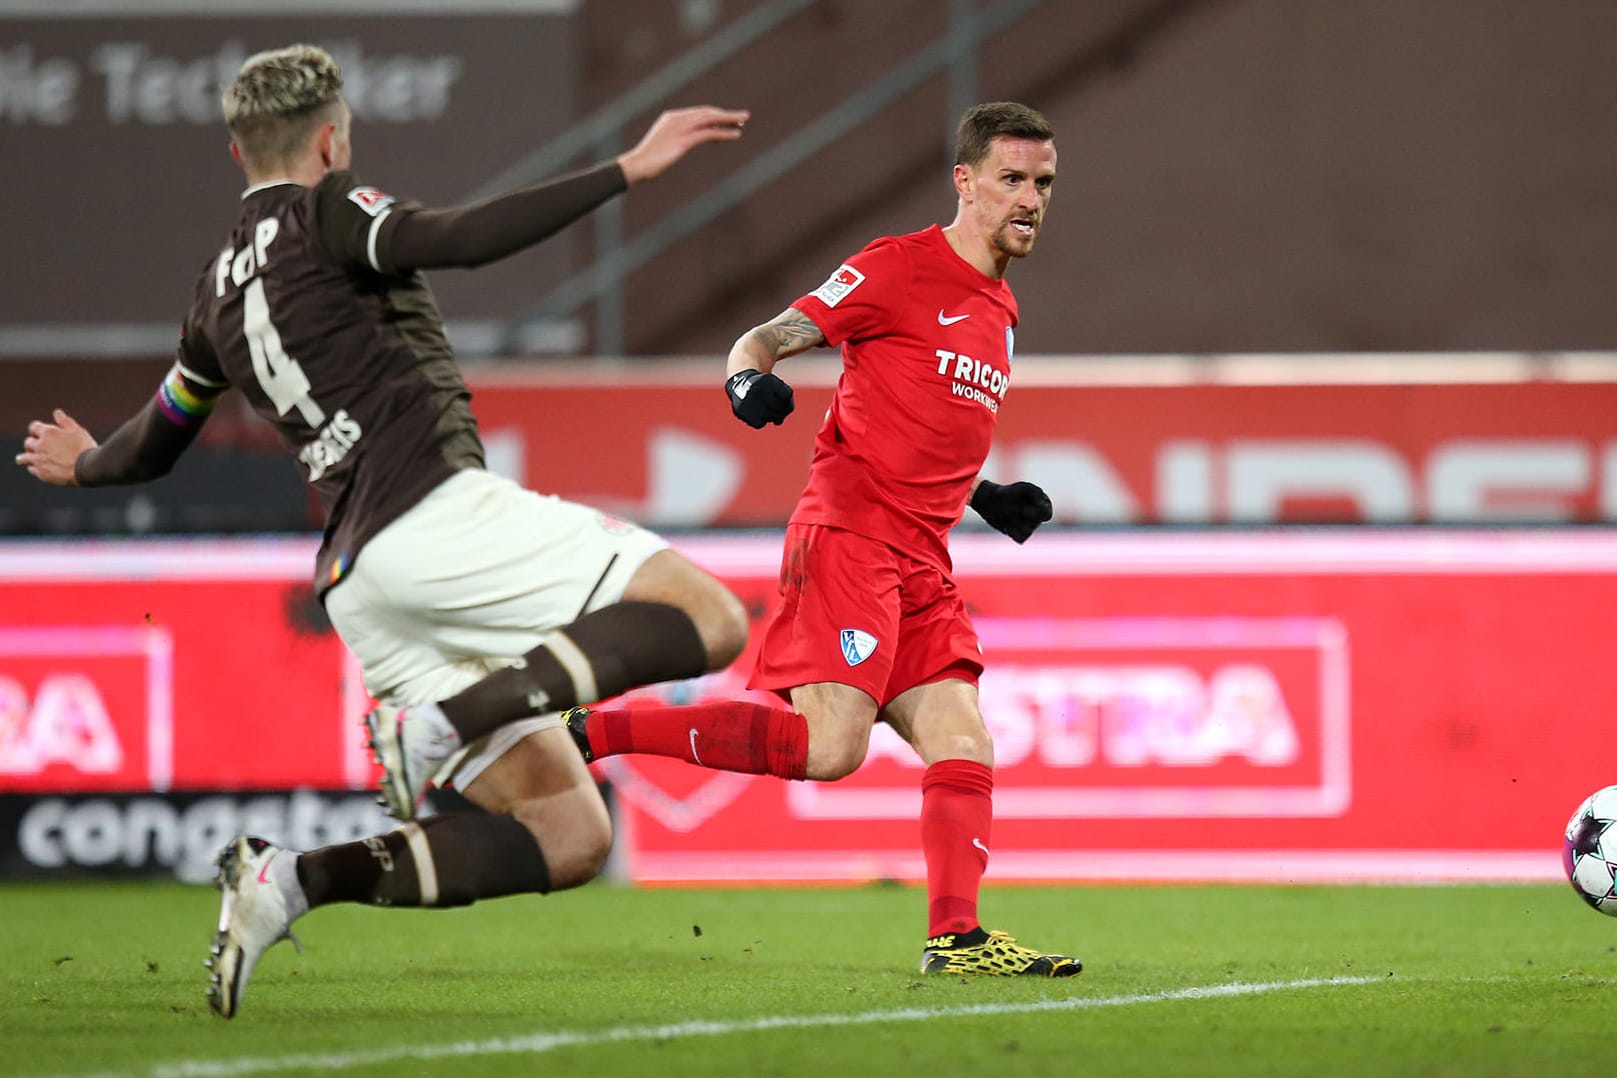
x: 758, y: 399
x: 1017, y: 509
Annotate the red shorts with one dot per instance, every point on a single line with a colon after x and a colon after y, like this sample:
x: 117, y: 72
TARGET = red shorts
x: 858, y: 612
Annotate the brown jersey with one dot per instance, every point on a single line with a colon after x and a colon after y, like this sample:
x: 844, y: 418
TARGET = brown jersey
x: 346, y: 358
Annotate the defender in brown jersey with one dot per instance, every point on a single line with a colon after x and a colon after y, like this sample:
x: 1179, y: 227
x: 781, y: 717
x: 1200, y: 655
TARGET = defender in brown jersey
x: 478, y: 610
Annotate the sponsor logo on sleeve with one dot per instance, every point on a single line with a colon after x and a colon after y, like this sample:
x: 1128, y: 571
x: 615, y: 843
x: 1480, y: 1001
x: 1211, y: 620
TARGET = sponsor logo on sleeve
x: 839, y: 285
x: 370, y: 199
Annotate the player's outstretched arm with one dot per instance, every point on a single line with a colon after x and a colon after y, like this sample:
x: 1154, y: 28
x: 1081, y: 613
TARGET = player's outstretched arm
x: 1017, y: 509
x: 487, y: 231
x: 758, y: 396
x: 144, y: 448
x: 51, y: 450
x: 674, y: 134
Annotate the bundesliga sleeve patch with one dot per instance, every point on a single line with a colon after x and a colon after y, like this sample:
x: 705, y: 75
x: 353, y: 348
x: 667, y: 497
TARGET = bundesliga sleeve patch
x: 370, y: 199
x: 838, y: 285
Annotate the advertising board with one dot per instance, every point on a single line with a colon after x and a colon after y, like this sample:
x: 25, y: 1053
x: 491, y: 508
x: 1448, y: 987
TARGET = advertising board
x: 1112, y: 455
x: 1286, y: 705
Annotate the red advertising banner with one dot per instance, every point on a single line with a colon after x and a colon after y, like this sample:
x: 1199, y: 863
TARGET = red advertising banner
x: 1288, y: 706
x: 187, y: 665
x: 1107, y: 454
x: 1296, y: 705
x: 87, y: 706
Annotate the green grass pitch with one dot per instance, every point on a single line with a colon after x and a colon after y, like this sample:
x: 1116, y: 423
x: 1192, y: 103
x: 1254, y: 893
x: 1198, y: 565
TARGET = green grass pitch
x: 107, y: 979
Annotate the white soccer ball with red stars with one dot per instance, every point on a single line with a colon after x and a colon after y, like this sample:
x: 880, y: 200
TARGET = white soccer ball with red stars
x: 1590, y: 852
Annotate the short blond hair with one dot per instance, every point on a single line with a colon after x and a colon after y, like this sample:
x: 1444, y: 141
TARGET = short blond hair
x: 277, y: 97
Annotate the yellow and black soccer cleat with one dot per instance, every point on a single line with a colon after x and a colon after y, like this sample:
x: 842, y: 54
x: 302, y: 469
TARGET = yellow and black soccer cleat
x: 994, y: 954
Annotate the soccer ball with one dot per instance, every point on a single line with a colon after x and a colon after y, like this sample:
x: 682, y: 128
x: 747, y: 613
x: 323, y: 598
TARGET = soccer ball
x: 1590, y: 851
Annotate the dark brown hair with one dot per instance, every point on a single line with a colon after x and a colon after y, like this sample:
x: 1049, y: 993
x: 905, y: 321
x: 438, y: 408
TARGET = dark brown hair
x: 983, y: 123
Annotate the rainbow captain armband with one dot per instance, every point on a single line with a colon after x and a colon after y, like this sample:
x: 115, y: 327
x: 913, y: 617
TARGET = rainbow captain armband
x: 186, y: 400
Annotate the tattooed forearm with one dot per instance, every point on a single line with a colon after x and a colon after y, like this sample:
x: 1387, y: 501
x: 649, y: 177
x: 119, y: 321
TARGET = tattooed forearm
x: 789, y: 333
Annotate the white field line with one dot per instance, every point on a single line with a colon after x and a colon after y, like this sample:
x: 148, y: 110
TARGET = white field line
x: 537, y: 1043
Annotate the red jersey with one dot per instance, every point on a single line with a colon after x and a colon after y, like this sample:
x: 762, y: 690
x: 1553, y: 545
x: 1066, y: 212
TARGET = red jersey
x: 926, y: 344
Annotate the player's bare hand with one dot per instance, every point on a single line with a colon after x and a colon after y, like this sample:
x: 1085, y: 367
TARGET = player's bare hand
x: 52, y: 449
x: 675, y: 133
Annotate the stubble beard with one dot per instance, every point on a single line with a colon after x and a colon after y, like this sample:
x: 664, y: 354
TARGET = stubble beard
x: 1013, y: 243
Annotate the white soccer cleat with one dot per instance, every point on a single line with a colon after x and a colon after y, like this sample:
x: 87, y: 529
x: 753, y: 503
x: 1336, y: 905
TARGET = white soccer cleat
x: 409, y: 745
x: 254, y: 914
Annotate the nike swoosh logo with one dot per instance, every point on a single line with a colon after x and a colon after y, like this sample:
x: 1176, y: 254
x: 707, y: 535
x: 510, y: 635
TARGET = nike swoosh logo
x: 695, y: 757
x: 947, y: 321
x: 262, y: 877
x: 977, y: 842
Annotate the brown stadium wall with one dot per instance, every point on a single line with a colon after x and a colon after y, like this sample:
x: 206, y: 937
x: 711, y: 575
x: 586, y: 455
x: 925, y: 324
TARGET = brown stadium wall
x: 1237, y: 175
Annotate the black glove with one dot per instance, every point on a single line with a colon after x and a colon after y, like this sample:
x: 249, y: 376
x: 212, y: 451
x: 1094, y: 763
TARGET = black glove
x: 1015, y: 508
x: 758, y: 398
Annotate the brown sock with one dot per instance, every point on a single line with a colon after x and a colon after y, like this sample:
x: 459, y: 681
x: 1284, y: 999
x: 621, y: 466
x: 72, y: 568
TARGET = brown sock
x: 619, y: 647
x: 449, y: 860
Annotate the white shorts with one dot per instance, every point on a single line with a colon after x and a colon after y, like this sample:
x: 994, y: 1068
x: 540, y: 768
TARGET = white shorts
x: 466, y: 582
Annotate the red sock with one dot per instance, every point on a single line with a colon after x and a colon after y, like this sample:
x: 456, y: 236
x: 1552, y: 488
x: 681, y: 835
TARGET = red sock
x: 957, y: 807
x: 730, y: 735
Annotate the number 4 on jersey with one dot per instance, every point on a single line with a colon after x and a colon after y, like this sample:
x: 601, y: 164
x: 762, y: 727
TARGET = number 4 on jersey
x: 278, y: 373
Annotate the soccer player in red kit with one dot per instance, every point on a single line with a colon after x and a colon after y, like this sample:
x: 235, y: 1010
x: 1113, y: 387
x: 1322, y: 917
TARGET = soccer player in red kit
x: 871, y: 625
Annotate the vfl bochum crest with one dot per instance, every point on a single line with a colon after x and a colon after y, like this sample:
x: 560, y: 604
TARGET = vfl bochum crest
x: 857, y: 646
